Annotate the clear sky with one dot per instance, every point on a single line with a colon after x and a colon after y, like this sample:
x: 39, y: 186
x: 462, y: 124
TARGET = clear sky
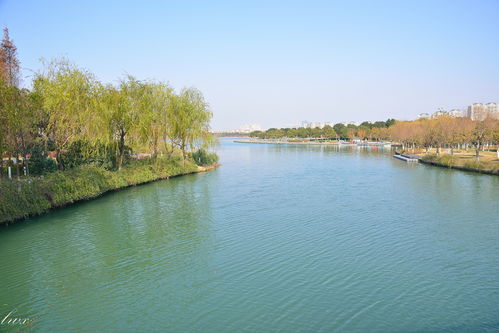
x: 277, y: 63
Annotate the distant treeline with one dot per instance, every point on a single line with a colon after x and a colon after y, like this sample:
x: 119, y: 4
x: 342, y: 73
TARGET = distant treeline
x: 69, y: 115
x: 436, y: 133
x: 446, y: 132
x: 377, y: 131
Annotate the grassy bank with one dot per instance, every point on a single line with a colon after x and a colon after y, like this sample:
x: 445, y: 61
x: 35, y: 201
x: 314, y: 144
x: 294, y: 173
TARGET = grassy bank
x: 32, y: 196
x: 488, y: 162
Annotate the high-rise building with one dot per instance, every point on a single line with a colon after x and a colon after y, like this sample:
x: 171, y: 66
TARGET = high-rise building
x: 479, y: 111
x: 493, y: 109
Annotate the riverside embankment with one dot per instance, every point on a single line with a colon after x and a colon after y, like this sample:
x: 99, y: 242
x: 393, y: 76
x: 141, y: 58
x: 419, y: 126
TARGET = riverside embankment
x: 463, y: 162
x: 23, y: 198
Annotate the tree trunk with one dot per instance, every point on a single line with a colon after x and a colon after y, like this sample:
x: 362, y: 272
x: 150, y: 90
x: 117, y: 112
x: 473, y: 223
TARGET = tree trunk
x: 121, y: 149
x: 58, y: 158
x: 17, y: 169
x: 25, y: 162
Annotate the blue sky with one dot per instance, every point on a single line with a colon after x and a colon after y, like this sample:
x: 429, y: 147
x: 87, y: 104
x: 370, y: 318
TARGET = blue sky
x: 277, y: 63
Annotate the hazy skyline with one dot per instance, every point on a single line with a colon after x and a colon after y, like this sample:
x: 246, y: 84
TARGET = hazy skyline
x: 280, y: 63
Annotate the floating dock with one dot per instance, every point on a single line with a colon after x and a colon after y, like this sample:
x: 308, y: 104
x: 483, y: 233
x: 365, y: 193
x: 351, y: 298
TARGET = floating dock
x: 407, y: 158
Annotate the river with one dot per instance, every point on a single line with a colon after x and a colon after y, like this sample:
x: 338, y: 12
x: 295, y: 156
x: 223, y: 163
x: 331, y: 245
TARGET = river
x: 278, y: 239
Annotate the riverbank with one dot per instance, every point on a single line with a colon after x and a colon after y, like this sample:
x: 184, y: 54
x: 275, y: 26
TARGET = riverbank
x: 20, y: 199
x: 487, y: 164
x: 313, y: 142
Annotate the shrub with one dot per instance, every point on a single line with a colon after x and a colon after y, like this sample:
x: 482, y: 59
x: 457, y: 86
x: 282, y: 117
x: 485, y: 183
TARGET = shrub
x: 202, y: 157
x: 446, y: 160
x: 475, y: 165
x: 82, y: 152
x: 430, y: 157
x: 39, y: 164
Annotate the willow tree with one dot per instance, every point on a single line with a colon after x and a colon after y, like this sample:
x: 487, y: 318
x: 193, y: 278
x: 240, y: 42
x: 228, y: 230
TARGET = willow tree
x: 189, y: 120
x: 66, y: 93
x: 20, y: 123
x: 155, y: 108
x: 120, y: 114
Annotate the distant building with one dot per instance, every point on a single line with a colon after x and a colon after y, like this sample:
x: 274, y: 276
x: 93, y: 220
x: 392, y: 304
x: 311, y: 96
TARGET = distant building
x: 438, y: 113
x: 493, y: 109
x: 351, y: 123
x: 456, y: 113
x: 479, y: 111
x: 249, y: 128
x: 305, y: 124
x: 476, y: 111
x: 315, y: 124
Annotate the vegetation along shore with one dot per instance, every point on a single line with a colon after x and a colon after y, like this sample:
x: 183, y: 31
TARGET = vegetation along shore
x: 455, y: 142
x: 71, y: 137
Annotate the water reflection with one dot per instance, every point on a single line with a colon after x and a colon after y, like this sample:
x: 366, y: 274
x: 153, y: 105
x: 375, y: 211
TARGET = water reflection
x: 149, y: 234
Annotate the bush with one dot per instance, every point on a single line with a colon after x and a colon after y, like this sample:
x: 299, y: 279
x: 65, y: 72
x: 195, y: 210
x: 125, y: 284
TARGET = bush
x: 475, y: 165
x: 202, y: 157
x: 430, y: 157
x: 85, y: 153
x: 446, y: 160
x: 39, y: 164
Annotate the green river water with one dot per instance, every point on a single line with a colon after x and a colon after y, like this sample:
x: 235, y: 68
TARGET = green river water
x: 278, y: 239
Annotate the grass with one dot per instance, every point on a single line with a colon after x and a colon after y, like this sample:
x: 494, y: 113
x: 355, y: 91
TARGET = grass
x: 35, y: 195
x: 488, y: 161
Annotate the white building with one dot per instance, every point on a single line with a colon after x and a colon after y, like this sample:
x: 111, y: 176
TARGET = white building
x: 351, y: 123
x: 439, y: 113
x: 315, y: 124
x: 493, y: 109
x: 423, y: 116
x: 479, y: 111
x: 248, y: 128
x: 456, y: 113
x: 305, y: 124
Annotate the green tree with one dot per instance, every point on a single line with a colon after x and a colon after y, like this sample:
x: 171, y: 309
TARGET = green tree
x: 66, y: 93
x: 340, y: 130
x: 189, y: 120
x: 121, y: 108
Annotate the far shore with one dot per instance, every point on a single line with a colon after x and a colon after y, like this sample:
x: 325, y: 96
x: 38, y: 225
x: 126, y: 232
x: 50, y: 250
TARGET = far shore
x: 314, y: 142
x: 460, y: 160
